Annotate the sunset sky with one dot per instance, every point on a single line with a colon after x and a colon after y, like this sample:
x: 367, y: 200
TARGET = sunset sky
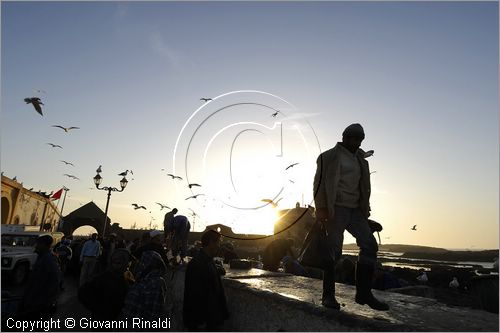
x: 421, y: 77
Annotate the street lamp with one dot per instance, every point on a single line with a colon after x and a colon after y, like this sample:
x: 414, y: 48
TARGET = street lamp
x: 97, y: 182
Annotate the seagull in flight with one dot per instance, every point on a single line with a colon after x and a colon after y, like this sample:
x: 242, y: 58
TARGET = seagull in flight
x: 136, y: 206
x: 163, y: 206
x: 173, y: 176
x: 66, y: 129
x: 414, y: 227
x: 36, y: 101
x: 369, y: 153
x: 205, y: 99
x: 291, y: 166
x: 67, y: 163
x: 275, y: 114
x: 193, y: 184
x: 99, y: 170
x: 54, y: 146
x: 71, y: 176
x: 194, y: 196
x: 274, y: 204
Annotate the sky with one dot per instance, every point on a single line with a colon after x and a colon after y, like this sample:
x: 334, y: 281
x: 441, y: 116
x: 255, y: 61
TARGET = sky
x: 421, y: 77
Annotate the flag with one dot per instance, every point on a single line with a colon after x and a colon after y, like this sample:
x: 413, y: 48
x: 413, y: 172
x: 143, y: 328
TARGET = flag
x: 57, y: 195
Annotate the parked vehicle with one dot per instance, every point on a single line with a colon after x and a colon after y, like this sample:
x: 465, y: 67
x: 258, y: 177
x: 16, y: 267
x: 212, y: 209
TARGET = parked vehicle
x: 18, y: 246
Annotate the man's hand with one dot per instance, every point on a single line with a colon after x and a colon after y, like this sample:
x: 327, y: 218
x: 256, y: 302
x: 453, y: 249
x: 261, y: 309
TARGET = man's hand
x: 322, y: 215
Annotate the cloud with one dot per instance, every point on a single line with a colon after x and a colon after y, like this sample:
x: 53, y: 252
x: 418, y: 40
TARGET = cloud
x: 159, y: 45
x: 299, y: 116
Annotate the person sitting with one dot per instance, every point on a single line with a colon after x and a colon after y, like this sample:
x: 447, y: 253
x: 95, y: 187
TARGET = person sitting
x: 275, y: 251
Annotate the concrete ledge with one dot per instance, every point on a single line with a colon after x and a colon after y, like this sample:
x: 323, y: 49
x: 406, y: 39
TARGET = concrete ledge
x: 264, y: 301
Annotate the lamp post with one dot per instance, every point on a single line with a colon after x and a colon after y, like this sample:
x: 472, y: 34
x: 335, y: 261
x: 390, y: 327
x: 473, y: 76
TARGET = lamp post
x: 97, y: 182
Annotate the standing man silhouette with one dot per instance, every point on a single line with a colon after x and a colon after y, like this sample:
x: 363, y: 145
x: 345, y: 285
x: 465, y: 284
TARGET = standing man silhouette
x: 342, y: 198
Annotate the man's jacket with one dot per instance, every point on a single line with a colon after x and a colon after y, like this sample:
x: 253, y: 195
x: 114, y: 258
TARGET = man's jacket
x: 327, y: 178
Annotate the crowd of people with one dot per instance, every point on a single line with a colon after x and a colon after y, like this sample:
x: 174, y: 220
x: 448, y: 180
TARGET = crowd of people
x: 121, y: 280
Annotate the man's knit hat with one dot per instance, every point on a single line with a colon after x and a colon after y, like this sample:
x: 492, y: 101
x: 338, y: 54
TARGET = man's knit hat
x: 354, y: 130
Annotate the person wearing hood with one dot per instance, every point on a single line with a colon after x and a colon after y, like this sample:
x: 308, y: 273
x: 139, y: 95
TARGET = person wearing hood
x: 146, y: 298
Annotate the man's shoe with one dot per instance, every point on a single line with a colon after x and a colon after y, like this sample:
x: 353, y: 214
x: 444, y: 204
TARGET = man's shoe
x: 330, y: 302
x: 372, y: 302
x: 364, y: 274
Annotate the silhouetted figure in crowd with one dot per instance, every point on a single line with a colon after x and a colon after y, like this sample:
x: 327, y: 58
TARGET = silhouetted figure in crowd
x: 105, y: 294
x: 179, y: 231
x: 275, y: 251
x: 64, y: 254
x: 146, y: 298
x: 169, y: 217
x: 228, y: 252
x: 91, y: 250
x: 292, y: 266
x: 40, y: 296
x: 108, y: 246
x: 133, y: 245
x: 154, y: 244
x: 345, y: 271
x: 194, y: 249
x: 205, y: 305
x: 342, y: 198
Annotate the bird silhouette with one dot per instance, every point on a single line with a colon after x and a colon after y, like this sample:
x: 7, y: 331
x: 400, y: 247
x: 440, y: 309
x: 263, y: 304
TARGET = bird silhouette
x: 66, y: 129
x: 369, y: 153
x: 193, y: 213
x: 414, y: 227
x: 193, y: 184
x: 173, y: 176
x: 136, y: 206
x: 67, y: 163
x: 291, y: 166
x: 205, y: 99
x: 99, y: 169
x: 194, y: 196
x: 163, y: 206
x: 71, y: 176
x: 54, y: 146
x: 275, y: 114
x: 15, y: 178
x: 124, y: 173
x: 274, y: 204
x: 36, y: 101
